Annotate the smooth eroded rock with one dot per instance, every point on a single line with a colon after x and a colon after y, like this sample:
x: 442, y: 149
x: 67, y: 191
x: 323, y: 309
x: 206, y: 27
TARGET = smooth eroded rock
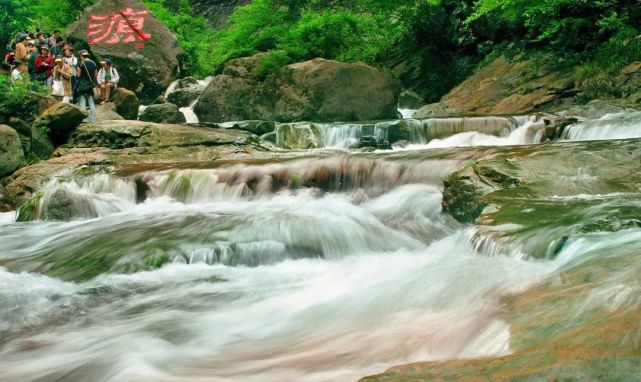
x: 11, y: 154
x: 163, y: 113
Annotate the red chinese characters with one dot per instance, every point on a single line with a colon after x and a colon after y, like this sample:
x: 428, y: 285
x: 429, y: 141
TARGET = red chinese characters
x: 123, y: 27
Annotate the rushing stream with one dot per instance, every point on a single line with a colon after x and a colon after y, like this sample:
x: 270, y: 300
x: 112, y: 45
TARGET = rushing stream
x: 323, y: 268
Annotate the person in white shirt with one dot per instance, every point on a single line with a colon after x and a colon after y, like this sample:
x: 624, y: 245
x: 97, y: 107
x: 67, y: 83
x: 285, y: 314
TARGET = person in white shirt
x: 20, y: 74
x: 107, y: 79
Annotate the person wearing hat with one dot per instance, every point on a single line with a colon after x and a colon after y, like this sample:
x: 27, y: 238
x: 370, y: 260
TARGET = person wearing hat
x: 107, y: 79
x: 21, y: 48
x: 86, y: 74
x: 19, y: 75
x: 44, y: 66
x: 61, y: 88
x: 31, y: 64
x: 72, y: 61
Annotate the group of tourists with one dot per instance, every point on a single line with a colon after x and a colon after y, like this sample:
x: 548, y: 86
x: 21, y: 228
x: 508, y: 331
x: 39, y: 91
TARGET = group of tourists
x: 50, y: 61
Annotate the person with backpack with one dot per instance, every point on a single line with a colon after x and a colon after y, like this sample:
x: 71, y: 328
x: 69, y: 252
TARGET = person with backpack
x: 21, y: 48
x: 86, y: 74
x: 107, y: 79
x: 61, y: 88
x: 72, y: 62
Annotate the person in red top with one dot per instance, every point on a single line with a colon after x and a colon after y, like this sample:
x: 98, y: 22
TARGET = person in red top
x: 44, y: 67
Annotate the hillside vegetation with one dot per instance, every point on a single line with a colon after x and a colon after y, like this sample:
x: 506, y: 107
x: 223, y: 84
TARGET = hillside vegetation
x: 447, y: 38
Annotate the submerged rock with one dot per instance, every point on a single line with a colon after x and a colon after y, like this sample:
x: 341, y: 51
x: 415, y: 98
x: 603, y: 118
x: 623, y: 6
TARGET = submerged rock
x: 574, y: 187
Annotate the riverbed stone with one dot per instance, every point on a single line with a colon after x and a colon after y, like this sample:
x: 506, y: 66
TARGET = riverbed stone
x: 60, y: 120
x: 163, y: 113
x: 126, y: 102
x: 187, y: 91
x: 297, y: 136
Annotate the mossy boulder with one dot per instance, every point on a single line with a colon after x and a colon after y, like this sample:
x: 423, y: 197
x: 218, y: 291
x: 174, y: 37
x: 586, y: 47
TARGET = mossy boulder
x: 11, y: 155
x: 316, y: 90
x: 163, y: 113
x: 296, y: 136
x: 60, y: 120
x: 187, y: 91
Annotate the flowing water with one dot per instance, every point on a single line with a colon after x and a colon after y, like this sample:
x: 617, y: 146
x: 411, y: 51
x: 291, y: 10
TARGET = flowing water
x: 322, y: 268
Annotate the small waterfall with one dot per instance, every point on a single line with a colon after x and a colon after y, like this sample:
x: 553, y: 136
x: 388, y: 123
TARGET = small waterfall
x: 189, y: 114
x: 171, y: 88
x: 610, y: 126
x: 407, y: 113
x: 416, y: 133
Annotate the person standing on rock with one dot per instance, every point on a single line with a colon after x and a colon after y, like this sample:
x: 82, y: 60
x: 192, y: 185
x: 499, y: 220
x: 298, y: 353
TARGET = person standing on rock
x: 44, y: 67
x: 107, y: 79
x: 86, y: 73
x: 61, y: 80
x: 72, y: 61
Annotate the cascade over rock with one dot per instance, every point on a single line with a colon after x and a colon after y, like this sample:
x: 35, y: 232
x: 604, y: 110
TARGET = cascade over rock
x: 187, y: 90
x: 316, y: 90
x: 142, y: 49
x: 95, y: 146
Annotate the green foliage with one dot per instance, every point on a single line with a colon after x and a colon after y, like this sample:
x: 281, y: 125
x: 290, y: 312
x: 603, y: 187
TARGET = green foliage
x: 45, y: 15
x: 14, y: 97
x: 347, y: 30
x: 272, y: 63
x: 192, y: 32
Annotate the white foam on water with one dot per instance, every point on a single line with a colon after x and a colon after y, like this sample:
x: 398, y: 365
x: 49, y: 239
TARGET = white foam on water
x: 189, y: 114
x: 610, y: 126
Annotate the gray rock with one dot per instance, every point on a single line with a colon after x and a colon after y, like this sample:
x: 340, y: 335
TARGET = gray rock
x: 146, y: 66
x: 163, y: 113
x: 410, y: 100
x: 316, y: 90
x: 301, y: 135
x: 11, y: 154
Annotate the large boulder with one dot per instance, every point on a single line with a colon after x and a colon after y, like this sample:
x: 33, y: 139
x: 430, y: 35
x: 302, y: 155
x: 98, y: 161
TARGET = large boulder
x: 127, y: 103
x: 11, y: 154
x: 107, y: 112
x: 227, y: 99
x: 187, y: 91
x: 60, y: 120
x: 163, y: 113
x: 316, y: 90
x: 509, y: 87
x: 142, y: 49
